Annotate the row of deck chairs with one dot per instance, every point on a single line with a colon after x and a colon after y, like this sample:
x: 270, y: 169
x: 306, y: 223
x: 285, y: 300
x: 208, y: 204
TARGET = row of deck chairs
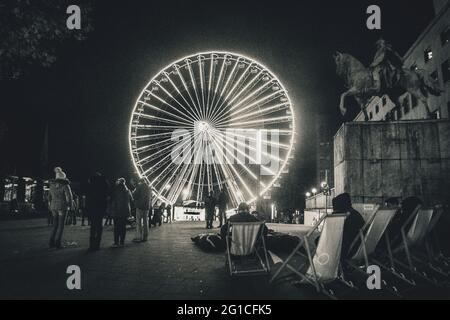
x: 413, y: 260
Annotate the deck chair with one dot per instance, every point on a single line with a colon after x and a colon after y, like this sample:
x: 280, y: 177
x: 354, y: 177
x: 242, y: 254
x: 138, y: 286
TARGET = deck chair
x: 413, y: 233
x: 367, y: 240
x: 323, y: 265
x: 432, y: 256
x: 246, y: 249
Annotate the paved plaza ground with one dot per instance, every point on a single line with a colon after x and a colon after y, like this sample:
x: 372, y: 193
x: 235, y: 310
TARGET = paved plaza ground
x: 168, y: 266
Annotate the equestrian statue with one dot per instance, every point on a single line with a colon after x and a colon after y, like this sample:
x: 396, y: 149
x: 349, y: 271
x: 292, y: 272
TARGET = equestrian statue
x: 386, y: 75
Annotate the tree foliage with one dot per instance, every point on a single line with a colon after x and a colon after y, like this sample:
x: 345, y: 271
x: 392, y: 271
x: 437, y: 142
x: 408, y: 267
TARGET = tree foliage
x: 32, y: 31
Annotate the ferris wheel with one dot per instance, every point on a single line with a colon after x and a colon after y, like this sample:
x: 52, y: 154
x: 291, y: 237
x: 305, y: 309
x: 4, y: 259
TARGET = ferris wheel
x: 212, y: 121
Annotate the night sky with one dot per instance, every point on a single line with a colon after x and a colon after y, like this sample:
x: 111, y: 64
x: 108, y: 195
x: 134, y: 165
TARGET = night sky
x: 86, y: 97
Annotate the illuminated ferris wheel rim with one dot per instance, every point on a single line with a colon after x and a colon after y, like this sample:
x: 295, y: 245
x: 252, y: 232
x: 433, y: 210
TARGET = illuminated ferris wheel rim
x: 183, y: 62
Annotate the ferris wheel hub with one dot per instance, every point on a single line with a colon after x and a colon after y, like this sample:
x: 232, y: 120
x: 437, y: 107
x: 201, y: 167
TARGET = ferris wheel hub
x: 203, y: 126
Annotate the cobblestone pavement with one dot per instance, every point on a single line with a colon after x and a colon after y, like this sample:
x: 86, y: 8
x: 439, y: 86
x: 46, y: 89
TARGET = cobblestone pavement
x: 168, y: 266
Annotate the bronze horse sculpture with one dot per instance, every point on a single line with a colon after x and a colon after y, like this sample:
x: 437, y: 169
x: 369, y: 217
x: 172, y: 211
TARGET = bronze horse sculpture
x: 360, y: 84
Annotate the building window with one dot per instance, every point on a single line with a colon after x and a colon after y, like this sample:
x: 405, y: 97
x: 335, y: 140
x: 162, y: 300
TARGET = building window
x: 448, y: 109
x: 370, y: 115
x: 377, y: 109
x: 414, y: 101
x: 398, y: 114
x: 384, y: 100
x: 405, y: 105
x: 446, y: 70
x: 436, y: 114
x: 445, y: 36
x: 428, y: 54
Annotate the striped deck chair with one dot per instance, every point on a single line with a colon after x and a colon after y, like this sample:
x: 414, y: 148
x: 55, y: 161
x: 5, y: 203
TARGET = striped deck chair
x: 413, y: 233
x: 434, y: 252
x: 323, y: 265
x: 367, y: 240
x: 246, y: 249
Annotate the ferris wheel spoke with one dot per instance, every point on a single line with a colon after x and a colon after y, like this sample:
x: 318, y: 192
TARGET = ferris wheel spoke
x: 225, y: 87
x: 212, y: 71
x: 244, y: 89
x: 161, y: 119
x: 151, y: 106
x: 194, y: 84
x: 237, y: 85
x: 188, y: 114
x: 218, y: 83
x: 230, y: 150
x: 147, y: 137
x: 254, y: 94
x: 255, y: 161
x: 256, y: 122
x: 192, y: 113
x: 188, y: 92
x: 255, y: 114
x: 233, y: 169
x: 176, y: 167
x: 202, y: 81
x: 154, y: 155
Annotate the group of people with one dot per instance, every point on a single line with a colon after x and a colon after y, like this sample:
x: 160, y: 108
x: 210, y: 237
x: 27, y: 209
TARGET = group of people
x: 101, y: 200
x: 211, y: 202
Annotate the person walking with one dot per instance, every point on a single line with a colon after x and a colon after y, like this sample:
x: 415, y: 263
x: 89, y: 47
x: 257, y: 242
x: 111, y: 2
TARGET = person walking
x: 142, y: 202
x: 96, y: 202
x: 60, y: 201
x: 169, y: 213
x: 122, y: 198
x: 210, y: 206
x: 222, y: 204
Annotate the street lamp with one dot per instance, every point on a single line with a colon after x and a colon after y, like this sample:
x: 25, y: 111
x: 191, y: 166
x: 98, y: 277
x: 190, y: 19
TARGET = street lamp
x: 314, y: 191
x: 308, y: 194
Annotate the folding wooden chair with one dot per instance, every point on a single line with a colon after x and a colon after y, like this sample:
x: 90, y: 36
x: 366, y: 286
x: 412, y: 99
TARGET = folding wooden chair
x: 323, y: 265
x: 368, y: 238
x: 246, y: 249
x: 413, y: 233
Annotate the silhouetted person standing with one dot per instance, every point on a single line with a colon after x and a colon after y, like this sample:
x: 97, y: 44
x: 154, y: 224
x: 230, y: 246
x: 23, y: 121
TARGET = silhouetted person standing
x: 96, y: 202
x: 142, y: 202
x: 210, y: 206
x: 60, y: 201
x: 121, y: 206
x: 222, y: 204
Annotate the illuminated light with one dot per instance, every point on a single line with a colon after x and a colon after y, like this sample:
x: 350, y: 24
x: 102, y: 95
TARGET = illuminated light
x: 314, y: 190
x: 308, y: 194
x: 206, y: 94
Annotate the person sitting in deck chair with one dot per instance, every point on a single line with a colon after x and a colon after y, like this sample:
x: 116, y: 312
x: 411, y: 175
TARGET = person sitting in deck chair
x: 243, y: 215
x: 343, y: 204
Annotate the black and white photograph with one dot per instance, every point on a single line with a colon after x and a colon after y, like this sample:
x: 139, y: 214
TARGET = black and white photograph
x: 225, y: 156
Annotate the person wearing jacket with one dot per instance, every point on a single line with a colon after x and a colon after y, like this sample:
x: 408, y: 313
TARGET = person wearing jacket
x: 121, y: 210
x: 60, y: 201
x: 142, y: 202
x: 96, y: 203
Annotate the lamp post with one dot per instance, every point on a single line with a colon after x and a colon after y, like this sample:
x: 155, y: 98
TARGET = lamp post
x: 314, y: 191
x: 326, y: 190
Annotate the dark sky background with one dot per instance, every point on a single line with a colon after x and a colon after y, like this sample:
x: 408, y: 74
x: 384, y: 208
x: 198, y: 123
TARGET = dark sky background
x: 86, y: 97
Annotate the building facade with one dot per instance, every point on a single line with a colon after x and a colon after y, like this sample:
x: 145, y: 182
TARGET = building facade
x: 324, y: 154
x: 431, y: 53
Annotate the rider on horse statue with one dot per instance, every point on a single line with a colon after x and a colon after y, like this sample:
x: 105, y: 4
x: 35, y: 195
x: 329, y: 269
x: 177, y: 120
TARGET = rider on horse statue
x: 386, y: 66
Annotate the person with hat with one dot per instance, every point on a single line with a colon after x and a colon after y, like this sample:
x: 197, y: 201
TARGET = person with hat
x: 60, y: 201
x: 242, y: 215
